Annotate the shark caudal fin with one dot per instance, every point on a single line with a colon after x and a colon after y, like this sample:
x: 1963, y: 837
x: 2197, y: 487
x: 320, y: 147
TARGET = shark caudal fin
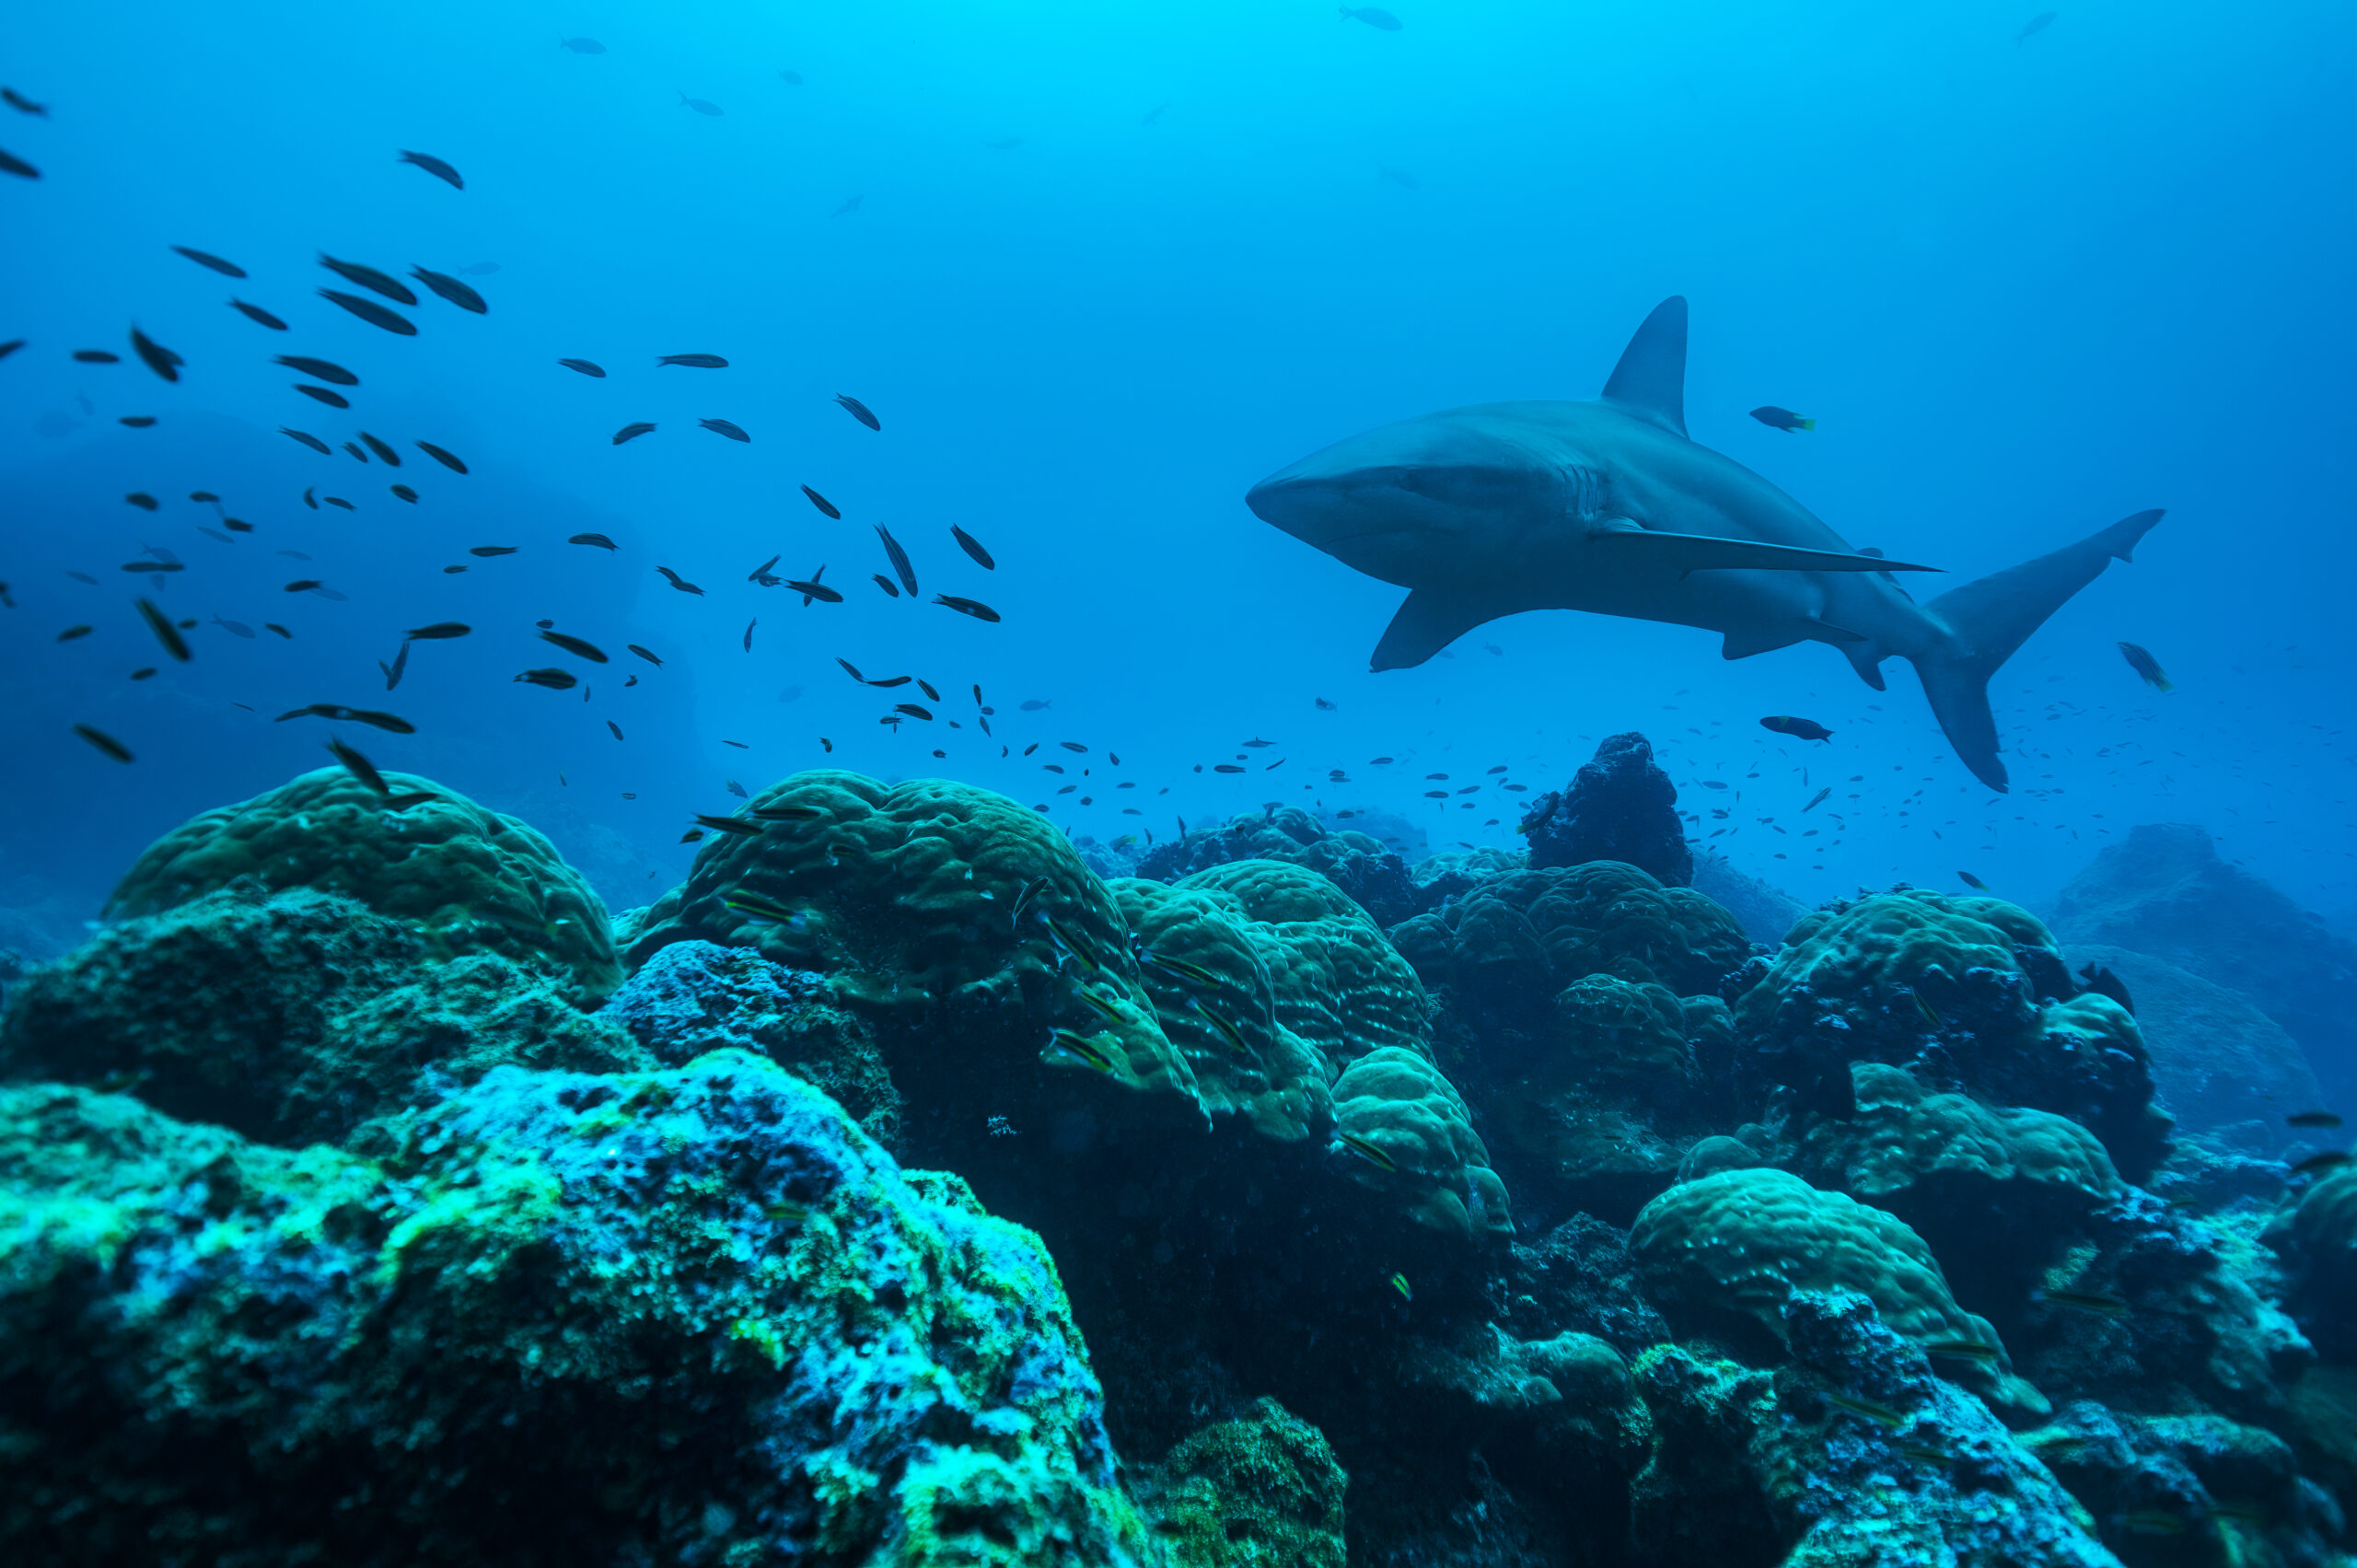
x: 1988, y: 620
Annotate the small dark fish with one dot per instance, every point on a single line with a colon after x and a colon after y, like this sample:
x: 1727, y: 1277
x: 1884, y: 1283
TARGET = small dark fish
x: 385, y: 453
x: 1783, y: 419
x: 817, y: 591
x: 370, y: 278
x: 11, y: 164
x: 154, y: 567
x: 371, y: 312
x: 141, y: 500
x: 1975, y: 883
x: 103, y: 741
x: 857, y: 409
x: 1799, y: 729
x: 791, y: 78
x: 761, y: 574
x: 1034, y: 704
x: 235, y: 628
x: 451, y: 289
x: 1368, y: 1150
x: 440, y: 631
x: 1373, y: 16
x: 205, y: 258
x: 589, y: 367
x: 1981, y: 1350
x: 694, y: 361
x: 156, y: 357
x: 24, y: 105
x: 332, y: 399
x: 1881, y: 1415
x: 973, y: 547
x: 734, y: 826
x: 313, y: 442
x: 275, y: 627
x: 851, y: 669
x: 679, y: 582
x: 166, y: 632
x: 359, y: 767
x: 406, y: 493
x: 596, y: 539
x: 339, y: 502
x: 789, y: 813
x: 974, y: 607
x: 820, y: 501
x: 702, y: 106
x: 359, y: 455
x: 448, y: 459
x: 615, y: 728
x: 900, y: 559
x: 400, y: 666
x: 632, y: 432
x: 756, y: 620
x: 2315, y: 1164
x: 1820, y: 798
x: 554, y: 680
x: 891, y: 680
x: 2313, y: 1118
x: 2083, y: 1301
x: 2035, y: 26
x: 576, y: 646
x: 302, y: 584
x: 390, y: 723
x: 848, y: 207
x: 645, y: 655
x: 890, y: 587
x: 11, y: 346
x: 912, y: 710
x: 325, y: 370
x: 71, y: 632
x: 723, y: 427
x: 435, y: 167
x: 488, y: 551
x: 2100, y: 980
x: 2147, y: 668
x: 257, y: 315
x: 582, y: 45
x: 1323, y: 705
x: 759, y: 907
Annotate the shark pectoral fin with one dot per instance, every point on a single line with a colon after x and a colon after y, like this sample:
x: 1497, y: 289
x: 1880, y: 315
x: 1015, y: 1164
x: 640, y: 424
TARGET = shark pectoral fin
x: 1755, y: 640
x: 1428, y: 621
x: 1684, y: 553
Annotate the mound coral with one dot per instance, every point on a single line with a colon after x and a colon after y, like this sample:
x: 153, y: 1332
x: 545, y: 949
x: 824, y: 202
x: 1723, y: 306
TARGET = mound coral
x: 1969, y: 992
x: 691, y: 1316
x: 1371, y: 876
x: 1433, y: 1163
x: 1261, y: 1492
x: 466, y: 878
x: 289, y: 1016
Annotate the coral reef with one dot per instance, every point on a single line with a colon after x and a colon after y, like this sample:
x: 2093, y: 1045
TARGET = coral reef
x: 289, y: 1016
x: 466, y: 878
x: 1373, y: 877
x: 1620, y: 806
x: 1260, y: 1491
x: 687, y: 1316
x: 1966, y: 993
x: 2315, y: 1234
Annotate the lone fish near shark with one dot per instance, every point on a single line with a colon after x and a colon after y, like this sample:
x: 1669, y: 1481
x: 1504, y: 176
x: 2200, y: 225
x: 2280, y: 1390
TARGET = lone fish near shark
x: 1609, y: 507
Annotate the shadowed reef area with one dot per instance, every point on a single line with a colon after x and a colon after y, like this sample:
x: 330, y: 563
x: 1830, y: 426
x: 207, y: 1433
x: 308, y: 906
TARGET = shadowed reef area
x: 912, y: 1186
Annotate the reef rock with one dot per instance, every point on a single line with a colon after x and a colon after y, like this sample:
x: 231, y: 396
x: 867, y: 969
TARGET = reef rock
x: 465, y: 878
x: 290, y: 1017
x: 1370, y: 875
x: 1261, y: 1492
x: 1620, y: 806
x: 692, y: 1315
x: 2219, y: 1064
x: 2164, y: 890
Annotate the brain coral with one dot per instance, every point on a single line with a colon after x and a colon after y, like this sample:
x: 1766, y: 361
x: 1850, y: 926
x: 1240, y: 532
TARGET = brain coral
x: 466, y: 878
x: 688, y: 1316
x: 906, y: 899
x: 1969, y: 991
x: 1729, y: 1251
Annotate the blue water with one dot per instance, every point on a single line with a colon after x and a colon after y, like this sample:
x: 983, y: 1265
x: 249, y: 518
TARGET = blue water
x: 1109, y: 264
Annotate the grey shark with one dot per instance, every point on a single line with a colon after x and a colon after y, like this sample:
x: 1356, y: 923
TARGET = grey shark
x: 1609, y: 507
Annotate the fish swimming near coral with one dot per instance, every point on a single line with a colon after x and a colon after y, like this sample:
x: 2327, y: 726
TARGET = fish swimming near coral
x: 1609, y: 507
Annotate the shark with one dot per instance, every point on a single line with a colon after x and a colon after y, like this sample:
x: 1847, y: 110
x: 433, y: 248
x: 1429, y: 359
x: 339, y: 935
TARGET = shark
x: 1609, y: 507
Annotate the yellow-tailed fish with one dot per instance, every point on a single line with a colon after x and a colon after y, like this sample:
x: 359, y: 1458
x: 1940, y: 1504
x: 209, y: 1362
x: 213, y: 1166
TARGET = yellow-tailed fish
x: 1082, y: 1049
x: 1400, y: 1284
x: 1367, y: 1149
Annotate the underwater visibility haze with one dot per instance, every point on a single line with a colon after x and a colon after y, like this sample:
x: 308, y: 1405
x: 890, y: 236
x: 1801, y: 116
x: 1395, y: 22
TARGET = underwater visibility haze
x: 1190, y: 785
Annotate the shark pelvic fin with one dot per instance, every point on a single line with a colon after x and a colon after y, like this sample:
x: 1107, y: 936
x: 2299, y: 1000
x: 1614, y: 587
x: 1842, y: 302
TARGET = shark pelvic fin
x: 1651, y: 378
x: 1428, y: 621
x: 1684, y: 553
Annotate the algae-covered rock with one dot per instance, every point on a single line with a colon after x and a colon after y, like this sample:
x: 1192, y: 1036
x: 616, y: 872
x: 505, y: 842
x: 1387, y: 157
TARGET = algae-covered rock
x: 1620, y: 806
x: 1967, y: 992
x: 692, y: 997
x: 289, y: 1016
x: 1854, y: 1455
x: 1727, y: 1253
x: 466, y: 878
x: 691, y: 1316
x: 1261, y: 1492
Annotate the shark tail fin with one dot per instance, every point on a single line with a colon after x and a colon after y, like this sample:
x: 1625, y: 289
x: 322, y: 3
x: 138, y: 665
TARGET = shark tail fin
x: 1988, y: 620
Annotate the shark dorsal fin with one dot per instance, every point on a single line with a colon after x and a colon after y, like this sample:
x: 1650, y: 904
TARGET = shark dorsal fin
x: 1650, y: 380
